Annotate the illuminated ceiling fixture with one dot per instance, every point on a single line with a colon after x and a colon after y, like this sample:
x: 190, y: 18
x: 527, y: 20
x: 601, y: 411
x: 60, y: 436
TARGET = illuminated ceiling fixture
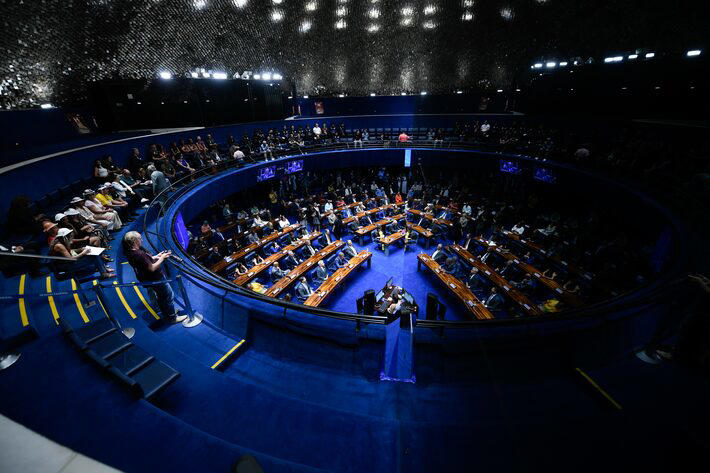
x: 277, y: 76
x: 341, y: 95
x: 46, y: 106
x: 277, y: 2
x: 200, y: 4
x: 407, y: 11
x: 305, y: 26
x: 537, y: 65
x: 611, y: 59
x: 467, y: 16
x: 194, y: 75
x: 373, y: 13
x: 633, y: 56
x: 506, y: 13
x: 165, y: 75
x: 693, y: 53
x: 341, y: 24
x: 277, y: 16
x: 257, y: 76
x: 241, y: 3
x: 403, y: 93
x: 459, y: 91
x: 206, y: 74
x: 500, y: 91
x: 429, y: 25
x: 341, y: 11
x: 219, y: 75
x: 650, y: 55
x: 406, y: 22
x: 468, y: 3
x: 550, y: 65
x: 311, y: 6
x: 265, y: 76
x: 373, y: 28
x: 372, y: 94
x: 423, y: 92
x: 563, y: 64
x: 429, y: 10
x: 305, y: 96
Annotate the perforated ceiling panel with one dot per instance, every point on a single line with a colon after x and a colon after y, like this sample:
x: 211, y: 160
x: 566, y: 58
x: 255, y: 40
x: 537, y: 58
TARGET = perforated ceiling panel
x: 51, y: 49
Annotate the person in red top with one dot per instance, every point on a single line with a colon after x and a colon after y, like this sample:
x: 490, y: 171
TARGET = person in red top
x: 403, y: 138
x: 398, y: 198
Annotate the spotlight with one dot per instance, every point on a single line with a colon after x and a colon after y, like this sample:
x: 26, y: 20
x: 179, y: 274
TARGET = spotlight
x: 423, y: 92
x: 563, y: 64
x: 257, y: 76
x: 550, y: 65
x: 468, y: 3
x: 305, y: 96
x: 194, y: 75
x: 403, y: 93
x: 429, y: 25
x: 341, y: 95
x: 341, y: 11
x: 373, y: 28
x: 537, y: 65
x: 46, y: 106
x: 277, y: 16
x: 500, y: 91
x: 633, y: 56
x: 608, y: 60
x: 467, y: 16
x: 200, y: 4
x: 373, y: 13
x: 219, y: 75
x: 341, y: 24
x: 693, y: 53
x: 459, y: 91
x: 305, y: 26
x: 311, y: 6
x: 277, y: 2
x: 277, y: 77
x: 650, y: 55
x: 429, y: 10
x: 265, y: 76
x: 406, y: 22
x: 407, y: 11
x: 241, y: 3
x: 206, y: 75
x: 372, y: 94
x: 165, y: 75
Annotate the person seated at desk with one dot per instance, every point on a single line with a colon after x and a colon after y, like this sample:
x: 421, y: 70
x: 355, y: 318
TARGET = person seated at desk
x: 328, y: 207
x: 398, y: 198
x: 253, y: 238
x: 258, y: 221
x: 303, y: 290
x: 290, y: 261
x: 212, y: 237
x: 240, y: 269
x: 256, y: 287
x: 451, y: 266
x: 307, y: 251
x: 467, y: 241
x: 276, y: 272
x: 466, y: 209
x: 494, y: 300
x: 487, y: 256
x: 358, y: 209
x: 268, y: 229
x: 271, y: 249
x: 353, y: 226
x: 526, y: 285
x: 507, y: 269
x: 366, y: 220
x: 338, y: 262
x: 380, y: 236
x: 283, y: 222
x: 349, y: 249
x: 256, y: 259
x: 439, y: 254
x: 205, y: 229
x: 518, y: 228
x: 321, y: 273
x: 325, y: 239
x: 475, y: 281
x: 395, y: 303
x: 242, y: 215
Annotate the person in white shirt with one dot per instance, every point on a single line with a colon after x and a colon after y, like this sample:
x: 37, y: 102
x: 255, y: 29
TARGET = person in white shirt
x: 100, y: 211
x: 238, y: 155
x: 258, y: 221
x: 438, y: 253
x: 283, y: 222
x: 317, y: 131
x: 518, y: 228
x: 78, y: 204
x: 466, y: 209
x: 328, y: 206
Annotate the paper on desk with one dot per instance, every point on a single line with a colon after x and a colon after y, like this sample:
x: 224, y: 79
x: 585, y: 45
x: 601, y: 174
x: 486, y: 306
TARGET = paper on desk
x: 94, y: 250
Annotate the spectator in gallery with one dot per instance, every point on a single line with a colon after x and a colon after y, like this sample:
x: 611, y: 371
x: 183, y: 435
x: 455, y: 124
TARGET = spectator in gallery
x: 100, y: 172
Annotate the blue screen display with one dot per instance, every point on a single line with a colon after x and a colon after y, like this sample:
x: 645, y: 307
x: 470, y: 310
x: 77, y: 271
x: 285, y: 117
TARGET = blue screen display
x: 181, y: 232
x: 509, y: 166
x: 294, y: 166
x: 545, y: 175
x: 407, y: 158
x: 266, y: 173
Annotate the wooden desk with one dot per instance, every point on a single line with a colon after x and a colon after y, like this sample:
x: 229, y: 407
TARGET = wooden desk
x: 299, y: 270
x: 427, y: 234
x: 363, y: 231
x: 505, y: 287
x: 237, y: 255
x: 459, y: 289
x: 431, y: 218
x: 259, y: 268
x: 335, y: 279
x: 369, y: 212
x: 567, y: 297
x: 342, y: 207
x: 389, y: 239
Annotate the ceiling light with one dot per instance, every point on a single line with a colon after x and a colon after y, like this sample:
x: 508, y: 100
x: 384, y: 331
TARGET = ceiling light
x: 423, y: 92
x: 305, y: 96
x: 265, y: 76
x: 257, y: 76
x: 429, y: 25
x: 499, y: 91
x: 407, y: 11
x: 241, y: 3
x: 693, y: 53
x: 459, y: 91
x: 311, y: 6
x: 537, y: 65
x: 429, y: 10
x: 406, y: 22
x: 194, y: 75
x: 468, y: 3
x: 277, y: 2
x: 219, y: 75
x: 506, y: 13
x: 305, y: 26
x: 607, y: 60
x: 341, y: 11
x: 341, y: 95
x: 403, y: 93
x: 467, y: 16
x: 373, y: 13
x: 650, y: 55
x: 165, y: 75
x: 200, y: 4
x: 277, y: 77
x: 46, y: 106
x: 276, y: 16
x: 373, y: 28
x: 563, y: 64
x: 633, y: 56
x: 372, y: 94
x: 550, y: 65
x: 206, y: 75
x: 341, y: 24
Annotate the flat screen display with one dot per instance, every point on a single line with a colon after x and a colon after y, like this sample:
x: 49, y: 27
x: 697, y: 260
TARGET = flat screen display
x: 407, y: 158
x: 545, y: 175
x: 294, y: 166
x: 509, y: 166
x: 266, y: 173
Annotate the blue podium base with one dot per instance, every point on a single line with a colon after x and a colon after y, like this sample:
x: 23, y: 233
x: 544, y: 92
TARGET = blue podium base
x: 399, y: 357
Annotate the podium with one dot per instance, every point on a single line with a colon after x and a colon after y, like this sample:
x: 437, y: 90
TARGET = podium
x: 398, y: 363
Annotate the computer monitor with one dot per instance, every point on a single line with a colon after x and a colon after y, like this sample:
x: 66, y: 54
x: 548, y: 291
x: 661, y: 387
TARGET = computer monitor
x: 388, y: 283
x: 408, y: 297
x: 266, y: 173
x: 379, y: 295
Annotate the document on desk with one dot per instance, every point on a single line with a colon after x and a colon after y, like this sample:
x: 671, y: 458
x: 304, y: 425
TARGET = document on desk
x: 94, y: 250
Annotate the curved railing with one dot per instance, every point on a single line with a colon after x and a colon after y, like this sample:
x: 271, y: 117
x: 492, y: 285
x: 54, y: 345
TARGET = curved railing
x: 163, y: 237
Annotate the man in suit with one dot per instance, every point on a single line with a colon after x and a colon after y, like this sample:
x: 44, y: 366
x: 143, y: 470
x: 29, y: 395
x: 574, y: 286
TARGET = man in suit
x: 467, y: 242
x: 439, y: 256
x: 494, y: 300
x: 276, y: 272
x: 290, y: 261
x: 451, y: 266
x: 350, y: 250
x: 475, y: 281
x: 339, y: 261
x: 307, y: 251
x: 303, y: 290
x: 325, y: 238
x: 253, y: 238
x: 321, y: 272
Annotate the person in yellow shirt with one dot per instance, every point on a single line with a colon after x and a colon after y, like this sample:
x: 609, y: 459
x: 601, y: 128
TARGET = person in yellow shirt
x: 116, y: 203
x: 256, y: 287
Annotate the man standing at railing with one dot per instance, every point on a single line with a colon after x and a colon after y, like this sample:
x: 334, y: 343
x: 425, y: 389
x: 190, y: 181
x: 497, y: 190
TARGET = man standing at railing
x: 148, y: 270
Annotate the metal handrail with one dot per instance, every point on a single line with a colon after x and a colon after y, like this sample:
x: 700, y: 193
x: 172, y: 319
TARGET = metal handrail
x: 29, y: 255
x: 220, y: 283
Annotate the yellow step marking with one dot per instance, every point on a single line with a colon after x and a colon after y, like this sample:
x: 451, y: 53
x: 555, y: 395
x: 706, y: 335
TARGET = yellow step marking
x: 21, y: 303
x: 598, y: 388
x: 52, y: 305
x: 218, y: 362
x: 125, y: 304
x: 95, y: 282
x: 145, y: 303
x: 78, y: 303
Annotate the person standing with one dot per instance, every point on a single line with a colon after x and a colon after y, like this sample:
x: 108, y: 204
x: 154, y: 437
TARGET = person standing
x: 148, y: 270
